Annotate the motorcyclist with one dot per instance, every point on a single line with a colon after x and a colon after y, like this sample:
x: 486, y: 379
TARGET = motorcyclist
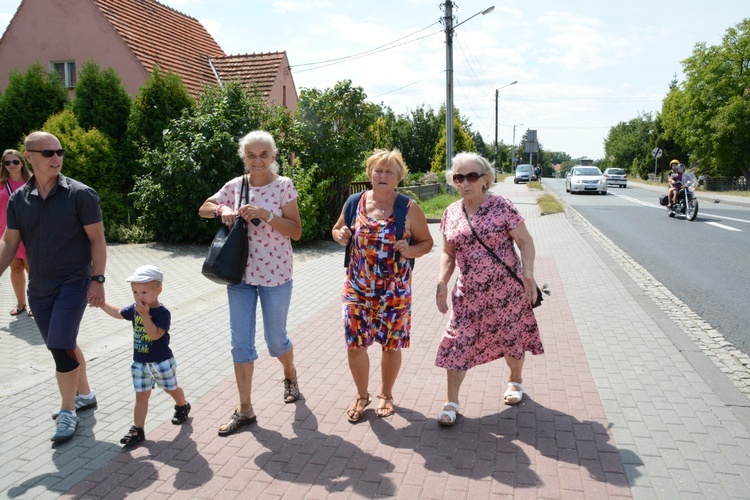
x: 675, y: 183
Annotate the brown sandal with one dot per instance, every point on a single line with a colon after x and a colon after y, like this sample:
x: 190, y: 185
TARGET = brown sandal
x: 385, y: 411
x: 18, y: 310
x: 353, y: 414
x: 235, y: 422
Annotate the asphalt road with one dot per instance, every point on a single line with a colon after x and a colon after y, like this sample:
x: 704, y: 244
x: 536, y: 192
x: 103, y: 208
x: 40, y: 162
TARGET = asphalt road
x: 706, y: 263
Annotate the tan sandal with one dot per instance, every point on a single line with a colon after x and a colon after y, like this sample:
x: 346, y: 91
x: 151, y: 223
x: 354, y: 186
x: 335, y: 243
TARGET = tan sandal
x: 385, y: 411
x: 353, y: 414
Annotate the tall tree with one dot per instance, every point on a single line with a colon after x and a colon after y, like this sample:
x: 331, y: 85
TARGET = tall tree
x: 630, y: 143
x: 462, y: 141
x: 101, y: 101
x: 417, y: 133
x: 30, y: 98
x: 709, y: 113
x: 335, y: 130
x: 160, y: 99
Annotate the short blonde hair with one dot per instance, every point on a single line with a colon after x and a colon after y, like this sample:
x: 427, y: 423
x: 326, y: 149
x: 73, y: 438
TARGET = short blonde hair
x: 381, y: 156
x: 482, y: 162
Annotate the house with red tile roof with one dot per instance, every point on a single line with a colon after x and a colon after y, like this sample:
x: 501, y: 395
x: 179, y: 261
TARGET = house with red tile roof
x: 133, y: 36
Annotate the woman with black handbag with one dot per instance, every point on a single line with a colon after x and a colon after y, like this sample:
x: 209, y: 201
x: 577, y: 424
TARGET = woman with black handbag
x: 492, y: 314
x: 269, y: 203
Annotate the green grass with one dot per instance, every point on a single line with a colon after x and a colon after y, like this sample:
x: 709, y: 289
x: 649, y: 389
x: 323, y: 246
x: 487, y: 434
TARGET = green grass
x: 549, y: 204
x: 435, y: 206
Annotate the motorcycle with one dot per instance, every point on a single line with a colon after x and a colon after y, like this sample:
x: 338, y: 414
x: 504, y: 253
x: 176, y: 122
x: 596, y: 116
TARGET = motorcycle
x: 687, y: 203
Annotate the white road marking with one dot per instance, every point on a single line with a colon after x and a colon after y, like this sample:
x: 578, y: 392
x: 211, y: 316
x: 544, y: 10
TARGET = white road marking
x: 701, y: 212
x: 722, y: 226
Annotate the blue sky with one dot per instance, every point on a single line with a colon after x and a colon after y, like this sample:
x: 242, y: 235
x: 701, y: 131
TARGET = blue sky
x: 582, y: 66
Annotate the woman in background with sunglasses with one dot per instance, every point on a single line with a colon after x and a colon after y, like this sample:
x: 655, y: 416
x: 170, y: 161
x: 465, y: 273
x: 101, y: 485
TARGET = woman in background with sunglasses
x: 492, y: 316
x: 13, y: 175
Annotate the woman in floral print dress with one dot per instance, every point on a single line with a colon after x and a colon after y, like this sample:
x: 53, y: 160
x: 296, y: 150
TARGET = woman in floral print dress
x: 492, y: 316
x: 377, y: 289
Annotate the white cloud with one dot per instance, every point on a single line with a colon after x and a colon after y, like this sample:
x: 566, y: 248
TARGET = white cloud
x: 285, y: 6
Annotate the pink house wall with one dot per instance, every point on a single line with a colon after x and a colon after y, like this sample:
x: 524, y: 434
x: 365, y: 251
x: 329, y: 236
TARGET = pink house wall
x: 76, y: 30
x: 284, y: 79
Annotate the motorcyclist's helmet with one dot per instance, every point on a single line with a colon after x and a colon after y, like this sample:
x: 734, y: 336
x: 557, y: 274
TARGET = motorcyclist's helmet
x: 680, y: 168
x: 673, y: 163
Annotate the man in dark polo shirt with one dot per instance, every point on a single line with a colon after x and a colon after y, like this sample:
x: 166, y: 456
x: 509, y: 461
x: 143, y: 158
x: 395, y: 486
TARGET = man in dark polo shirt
x: 60, y: 223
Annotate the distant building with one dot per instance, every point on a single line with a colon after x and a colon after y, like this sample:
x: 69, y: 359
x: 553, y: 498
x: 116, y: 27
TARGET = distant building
x: 133, y: 36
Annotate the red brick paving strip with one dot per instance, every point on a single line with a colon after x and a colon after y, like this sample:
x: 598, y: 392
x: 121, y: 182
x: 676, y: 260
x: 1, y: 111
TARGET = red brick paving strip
x: 555, y: 444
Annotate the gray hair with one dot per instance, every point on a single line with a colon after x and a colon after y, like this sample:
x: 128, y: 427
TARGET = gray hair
x: 482, y: 162
x: 263, y: 137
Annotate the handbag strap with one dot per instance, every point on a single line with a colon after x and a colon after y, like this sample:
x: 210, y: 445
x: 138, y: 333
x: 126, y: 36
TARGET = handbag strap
x: 491, y: 251
x: 245, y: 189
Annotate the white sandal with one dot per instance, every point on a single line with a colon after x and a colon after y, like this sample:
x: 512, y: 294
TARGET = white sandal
x: 451, y: 414
x: 516, y: 395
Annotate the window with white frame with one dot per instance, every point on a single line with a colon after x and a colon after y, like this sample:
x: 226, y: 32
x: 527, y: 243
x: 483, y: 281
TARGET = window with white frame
x: 67, y: 71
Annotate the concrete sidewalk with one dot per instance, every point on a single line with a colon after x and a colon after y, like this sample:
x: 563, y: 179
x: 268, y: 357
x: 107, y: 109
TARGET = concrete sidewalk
x: 622, y: 405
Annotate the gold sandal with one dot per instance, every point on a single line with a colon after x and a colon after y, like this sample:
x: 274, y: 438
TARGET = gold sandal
x: 353, y: 414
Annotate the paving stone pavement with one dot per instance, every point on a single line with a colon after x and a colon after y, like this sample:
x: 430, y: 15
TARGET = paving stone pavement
x: 625, y: 405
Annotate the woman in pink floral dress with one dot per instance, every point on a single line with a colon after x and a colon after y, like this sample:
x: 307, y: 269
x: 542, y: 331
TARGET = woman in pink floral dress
x: 492, y: 316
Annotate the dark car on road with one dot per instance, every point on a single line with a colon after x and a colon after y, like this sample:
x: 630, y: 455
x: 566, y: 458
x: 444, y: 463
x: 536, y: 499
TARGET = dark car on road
x: 616, y: 177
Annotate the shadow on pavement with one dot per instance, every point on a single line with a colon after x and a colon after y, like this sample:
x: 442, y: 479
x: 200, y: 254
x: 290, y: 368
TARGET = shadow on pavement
x: 70, y: 459
x: 133, y: 470
x: 24, y: 328
x: 498, y: 445
x: 315, y: 458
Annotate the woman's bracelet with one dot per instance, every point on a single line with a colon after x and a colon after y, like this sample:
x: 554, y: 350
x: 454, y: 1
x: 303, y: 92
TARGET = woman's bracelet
x: 217, y: 209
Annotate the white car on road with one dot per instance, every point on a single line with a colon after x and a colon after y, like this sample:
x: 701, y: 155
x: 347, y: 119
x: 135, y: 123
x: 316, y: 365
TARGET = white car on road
x: 585, y: 180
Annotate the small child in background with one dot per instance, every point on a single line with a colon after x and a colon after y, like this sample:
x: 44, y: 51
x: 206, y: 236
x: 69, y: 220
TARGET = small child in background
x: 153, y: 361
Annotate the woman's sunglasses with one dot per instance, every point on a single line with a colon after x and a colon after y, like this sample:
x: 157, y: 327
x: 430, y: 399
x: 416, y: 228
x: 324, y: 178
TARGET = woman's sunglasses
x: 471, y: 177
x: 14, y: 162
x: 48, y: 153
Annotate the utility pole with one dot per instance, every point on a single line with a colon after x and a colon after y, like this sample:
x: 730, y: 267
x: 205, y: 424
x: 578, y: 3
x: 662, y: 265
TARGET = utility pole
x: 448, y: 84
x: 497, y: 91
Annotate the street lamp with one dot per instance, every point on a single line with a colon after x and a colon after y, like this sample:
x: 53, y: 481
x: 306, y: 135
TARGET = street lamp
x: 513, y: 147
x: 448, y: 19
x: 497, y: 91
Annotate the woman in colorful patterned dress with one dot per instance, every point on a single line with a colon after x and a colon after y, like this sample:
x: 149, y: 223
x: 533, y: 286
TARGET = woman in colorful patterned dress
x: 13, y: 174
x: 492, y: 316
x: 377, y: 289
x: 272, y: 209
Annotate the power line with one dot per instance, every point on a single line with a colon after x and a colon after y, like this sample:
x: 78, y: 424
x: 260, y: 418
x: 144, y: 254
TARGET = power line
x: 382, y: 48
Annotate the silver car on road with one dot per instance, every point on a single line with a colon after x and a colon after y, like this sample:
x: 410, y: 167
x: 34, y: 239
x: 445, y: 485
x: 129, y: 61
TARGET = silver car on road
x: 585, y: 180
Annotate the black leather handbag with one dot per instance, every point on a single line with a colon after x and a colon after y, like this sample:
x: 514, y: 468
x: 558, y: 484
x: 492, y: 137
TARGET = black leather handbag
x: 227, y: 256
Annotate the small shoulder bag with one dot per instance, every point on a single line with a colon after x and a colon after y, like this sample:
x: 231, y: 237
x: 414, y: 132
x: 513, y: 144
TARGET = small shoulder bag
x: 539, y: 291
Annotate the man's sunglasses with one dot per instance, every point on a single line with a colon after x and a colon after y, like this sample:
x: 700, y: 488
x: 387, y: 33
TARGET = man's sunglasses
x: 14, y: 162
x: 472, y: 177
x: 48, y: 153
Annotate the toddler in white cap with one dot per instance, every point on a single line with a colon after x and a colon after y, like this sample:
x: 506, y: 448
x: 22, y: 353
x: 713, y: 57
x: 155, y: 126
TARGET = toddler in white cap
x: 153, y: 361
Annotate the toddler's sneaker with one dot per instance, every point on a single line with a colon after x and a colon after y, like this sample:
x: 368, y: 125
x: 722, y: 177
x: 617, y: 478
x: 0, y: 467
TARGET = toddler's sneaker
x: 82, y: 403
x: 65, y: 426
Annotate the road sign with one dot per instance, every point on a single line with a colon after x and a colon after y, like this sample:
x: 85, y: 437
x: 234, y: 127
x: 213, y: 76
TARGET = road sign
x: 657, y: 152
